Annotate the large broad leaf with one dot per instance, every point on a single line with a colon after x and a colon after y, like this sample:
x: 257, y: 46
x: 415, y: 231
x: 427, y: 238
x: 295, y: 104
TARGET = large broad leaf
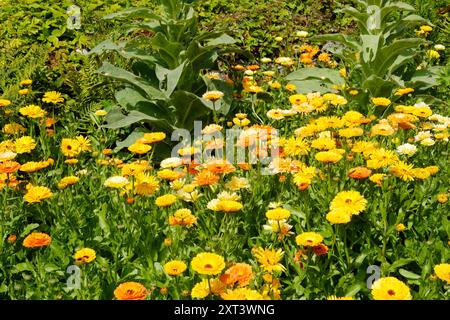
x: 131, y: 99
x: 108, y: 70
x: 133, y: 13
x: 169, y: 51
x: 224, y: 39
x: 307, y: 86
x: 389, y: 54
x: 340, y: 38
x: 132, y: 118
x: 169, y: 78
x: 188, y: 108
x: 124, y: 49
x: 426, y: 79
x: 324, y: 74
x: 377, y: 86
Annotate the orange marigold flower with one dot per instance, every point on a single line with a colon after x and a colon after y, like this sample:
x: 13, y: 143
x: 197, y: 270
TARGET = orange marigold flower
x: 220, y: 166
x: 206, y: 178
x: 240, y: 273
x: 320, y: 249
x: 9, y: 166
x: 359, y: 173
x: 37, y: 240
x: 130, y: 291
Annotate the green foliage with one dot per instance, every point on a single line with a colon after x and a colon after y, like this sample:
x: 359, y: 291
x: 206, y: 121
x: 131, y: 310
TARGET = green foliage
x: 379, y: 56
x: 256, y: 23
x: 165, y: 80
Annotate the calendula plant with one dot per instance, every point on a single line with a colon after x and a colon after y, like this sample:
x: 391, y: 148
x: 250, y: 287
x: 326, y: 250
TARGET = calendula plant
x: 379, y: 58
x: 164, y: 85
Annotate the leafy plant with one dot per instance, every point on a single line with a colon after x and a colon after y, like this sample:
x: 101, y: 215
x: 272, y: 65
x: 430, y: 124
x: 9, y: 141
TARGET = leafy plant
x: 164, y: 84
x: 379, y: 56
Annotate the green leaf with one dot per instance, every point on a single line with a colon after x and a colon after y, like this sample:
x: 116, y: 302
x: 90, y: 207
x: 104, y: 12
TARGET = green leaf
x: 307, y: 86
x: 224, y: 39
x: 108, y: 70
x: 28, y: 229
x: 132, y: 13
x: 408, y: 274
x: 324, y: 74
x: 102, y: 220
x: 354, y: 289
x: 170, y: 78
x: 188, y: 108
x: 399, y: 263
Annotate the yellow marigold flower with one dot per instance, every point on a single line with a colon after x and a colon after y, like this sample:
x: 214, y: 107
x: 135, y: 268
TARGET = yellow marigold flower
x: 383, y: 102
x: 202, y: 289
x: 443, y: 272
x: 13, y: 128
x: 53, y: 97
x: 269, y: 259
x: 422, y: 112
x: 351, y: 202
x: 309, y: 239
x: 70, y: 147
x: 183, y: 217
x: 175, y: 267
x: 84, y: 143
x: 116, y: 182
x: 24, y: 144
x: 241, y: 294
x: 432, y: 169
x: 275, y: 114
x: 32, y: 111
x: 296, y: 147
x: 421, y: 173
x: 353, y: 92
x: 37, y: 194
x: 241, y: 122
x: 403, y: 171
x: 139, y: 148
x: 291, y: 87
x: 71, y: 161
x: 37, y: 240
x: 278, y: 214
x: 338, y: 217
x: 298, y: 99
x: 351, y: 132
x: 383, y: 128
x: 153, y: 137
x: 101, y: 113
x: 225, y: 205
x: 442, y: 198
x: 84, y: 256
x: 4, y: 103
x: 343, y: 72
x: 402, y: 91
x: 237, y: 183
x: 213, y: 95
x: 207, y: 263
x: 33, y: 166
x: 323, y: 143
x: 380, y: 158
x: 26, y: 82
x: 146, y: 185
x: 328, y: 156
x: 67, y: 181
x: 24, y: 91
x: 171, y: 175
x: 130, y: 291
x: 165, y: 200
x: 433, y: 54
x: 400, y: 227
x: 377, y: 178
x: 390, y: 288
